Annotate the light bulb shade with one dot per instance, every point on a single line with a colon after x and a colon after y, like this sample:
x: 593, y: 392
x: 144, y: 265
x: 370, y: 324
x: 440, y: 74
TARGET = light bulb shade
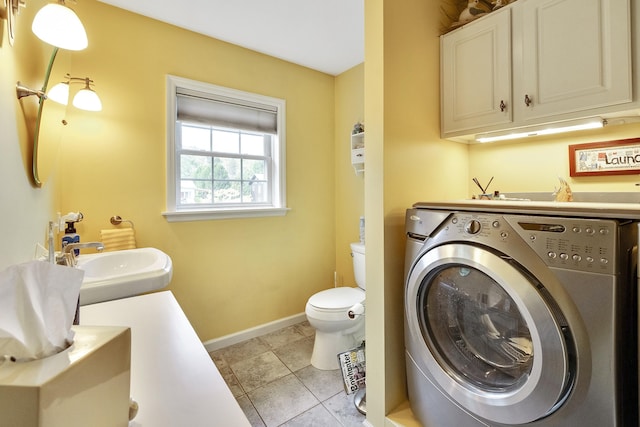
x: 87, y: 99
x: 59, y: 26
x: 59, y: 93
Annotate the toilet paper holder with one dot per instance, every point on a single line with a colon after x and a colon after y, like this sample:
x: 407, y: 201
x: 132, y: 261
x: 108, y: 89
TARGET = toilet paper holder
x: 355, y: 311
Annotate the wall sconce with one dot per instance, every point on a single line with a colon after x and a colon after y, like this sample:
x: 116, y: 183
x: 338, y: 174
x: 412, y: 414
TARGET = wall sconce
x: 86, y: 98
x: 540, y: 130
x: 59, y: 26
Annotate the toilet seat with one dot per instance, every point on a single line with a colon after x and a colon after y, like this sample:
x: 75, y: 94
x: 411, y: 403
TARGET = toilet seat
x: 337, y: 299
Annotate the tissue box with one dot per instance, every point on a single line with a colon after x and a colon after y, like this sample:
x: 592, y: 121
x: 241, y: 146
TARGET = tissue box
x: 85, y: 385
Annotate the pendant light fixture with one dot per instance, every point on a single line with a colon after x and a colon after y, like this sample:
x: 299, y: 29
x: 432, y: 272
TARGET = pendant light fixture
x: 59, y: 26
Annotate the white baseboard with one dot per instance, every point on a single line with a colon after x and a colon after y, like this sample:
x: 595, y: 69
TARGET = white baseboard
x: 247, y: 334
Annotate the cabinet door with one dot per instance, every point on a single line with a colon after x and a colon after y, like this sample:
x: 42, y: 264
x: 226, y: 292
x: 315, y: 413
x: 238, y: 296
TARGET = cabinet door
x: 576, y: 56
x: 475, y: 74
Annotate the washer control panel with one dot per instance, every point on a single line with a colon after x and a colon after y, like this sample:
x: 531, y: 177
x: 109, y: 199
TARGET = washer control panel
x: 481, y: 225
x: 571, y: 243
x: 582, y: 244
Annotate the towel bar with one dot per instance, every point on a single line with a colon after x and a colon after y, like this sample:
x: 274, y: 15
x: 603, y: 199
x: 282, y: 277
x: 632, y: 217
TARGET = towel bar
x: 117, y: 220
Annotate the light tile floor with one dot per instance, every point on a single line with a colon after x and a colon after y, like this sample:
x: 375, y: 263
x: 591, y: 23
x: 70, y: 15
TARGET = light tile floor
x: 272, y: 379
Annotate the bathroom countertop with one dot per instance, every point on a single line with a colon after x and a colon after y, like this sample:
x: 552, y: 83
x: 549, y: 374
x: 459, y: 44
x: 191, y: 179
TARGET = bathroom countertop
x: 173, y: 378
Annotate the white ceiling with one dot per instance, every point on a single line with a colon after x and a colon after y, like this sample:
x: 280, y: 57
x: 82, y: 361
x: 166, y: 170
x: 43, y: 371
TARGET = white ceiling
x: 325, y: 35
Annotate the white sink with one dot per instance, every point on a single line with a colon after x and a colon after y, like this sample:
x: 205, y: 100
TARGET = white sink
x: 121, y: 274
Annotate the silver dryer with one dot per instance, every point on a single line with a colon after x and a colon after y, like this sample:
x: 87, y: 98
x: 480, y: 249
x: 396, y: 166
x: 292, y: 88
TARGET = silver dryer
x: 516, y: 319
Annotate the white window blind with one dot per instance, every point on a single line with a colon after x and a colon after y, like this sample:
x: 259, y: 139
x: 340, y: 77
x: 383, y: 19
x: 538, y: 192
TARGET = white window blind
x: 220, y: 111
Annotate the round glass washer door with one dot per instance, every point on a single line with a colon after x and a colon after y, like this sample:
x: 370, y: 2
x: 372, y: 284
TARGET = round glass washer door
x: 488, y: 337
x: 476, y: 328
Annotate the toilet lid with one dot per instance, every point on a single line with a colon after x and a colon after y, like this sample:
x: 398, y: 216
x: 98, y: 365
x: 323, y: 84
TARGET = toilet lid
x: 337, y: 298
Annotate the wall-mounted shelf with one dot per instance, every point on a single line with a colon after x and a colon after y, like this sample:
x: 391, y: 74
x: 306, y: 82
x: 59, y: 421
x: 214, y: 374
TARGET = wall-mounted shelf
x: 357, y: 152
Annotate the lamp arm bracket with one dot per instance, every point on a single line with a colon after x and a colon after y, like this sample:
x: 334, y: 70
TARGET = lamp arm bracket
x: 23, y: 91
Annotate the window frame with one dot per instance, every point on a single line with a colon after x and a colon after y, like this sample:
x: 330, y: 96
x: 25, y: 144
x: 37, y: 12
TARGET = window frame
x: 174, y: 212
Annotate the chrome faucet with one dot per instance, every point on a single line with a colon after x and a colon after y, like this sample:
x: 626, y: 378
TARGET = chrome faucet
x: 68, y: 252
x: 67, y: 249
x: 69, y: 259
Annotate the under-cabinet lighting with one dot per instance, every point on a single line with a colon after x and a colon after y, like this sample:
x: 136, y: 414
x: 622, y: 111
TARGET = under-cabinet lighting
x: 549, y: 129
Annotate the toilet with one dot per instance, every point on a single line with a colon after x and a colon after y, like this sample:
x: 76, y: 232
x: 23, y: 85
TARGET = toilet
x: 328, y: 312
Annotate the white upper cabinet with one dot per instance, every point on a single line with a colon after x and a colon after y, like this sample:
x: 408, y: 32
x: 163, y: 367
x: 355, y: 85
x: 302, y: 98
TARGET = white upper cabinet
x: 537, y: 61
x: 475, y: 70
x: 576, y: 56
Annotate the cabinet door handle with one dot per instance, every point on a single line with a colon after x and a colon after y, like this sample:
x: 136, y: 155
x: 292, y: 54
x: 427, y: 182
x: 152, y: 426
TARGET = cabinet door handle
x: 528, y: 101
x: 503, y: 106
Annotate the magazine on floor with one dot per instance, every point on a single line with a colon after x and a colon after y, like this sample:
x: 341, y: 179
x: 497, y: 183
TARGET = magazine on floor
x: 352, y: 364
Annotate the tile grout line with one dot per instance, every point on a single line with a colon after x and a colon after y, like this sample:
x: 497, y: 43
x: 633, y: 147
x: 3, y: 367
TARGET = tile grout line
x: 279, y: 338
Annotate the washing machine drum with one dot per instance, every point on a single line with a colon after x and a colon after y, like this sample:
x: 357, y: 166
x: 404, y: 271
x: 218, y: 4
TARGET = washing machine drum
x: 337, y: 299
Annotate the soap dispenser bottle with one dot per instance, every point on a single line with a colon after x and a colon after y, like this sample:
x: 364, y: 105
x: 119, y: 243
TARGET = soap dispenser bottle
x: 70, y: 236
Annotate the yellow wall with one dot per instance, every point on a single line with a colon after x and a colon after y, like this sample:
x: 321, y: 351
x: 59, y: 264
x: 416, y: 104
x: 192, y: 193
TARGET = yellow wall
x: 349, y: 187
x: 229, y: 275
x: 406, y: 162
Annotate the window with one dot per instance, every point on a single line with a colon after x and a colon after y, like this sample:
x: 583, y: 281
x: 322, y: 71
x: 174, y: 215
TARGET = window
x: 225, y: 152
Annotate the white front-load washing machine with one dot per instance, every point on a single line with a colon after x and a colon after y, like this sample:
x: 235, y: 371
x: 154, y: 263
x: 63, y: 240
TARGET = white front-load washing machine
x: 517, y: 317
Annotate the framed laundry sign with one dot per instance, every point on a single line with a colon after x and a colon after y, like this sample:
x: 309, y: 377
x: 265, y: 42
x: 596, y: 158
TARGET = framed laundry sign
x: 620, y: 157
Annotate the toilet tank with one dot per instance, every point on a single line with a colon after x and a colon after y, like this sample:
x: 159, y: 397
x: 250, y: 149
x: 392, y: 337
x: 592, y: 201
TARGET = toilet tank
x: 357, y: 252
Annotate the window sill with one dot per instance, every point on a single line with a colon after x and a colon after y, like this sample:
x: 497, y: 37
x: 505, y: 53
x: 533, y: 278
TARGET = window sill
x: 204, y: 215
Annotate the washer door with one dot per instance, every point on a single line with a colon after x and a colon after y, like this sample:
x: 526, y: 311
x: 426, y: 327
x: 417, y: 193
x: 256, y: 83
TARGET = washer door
x: 485, y: 332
